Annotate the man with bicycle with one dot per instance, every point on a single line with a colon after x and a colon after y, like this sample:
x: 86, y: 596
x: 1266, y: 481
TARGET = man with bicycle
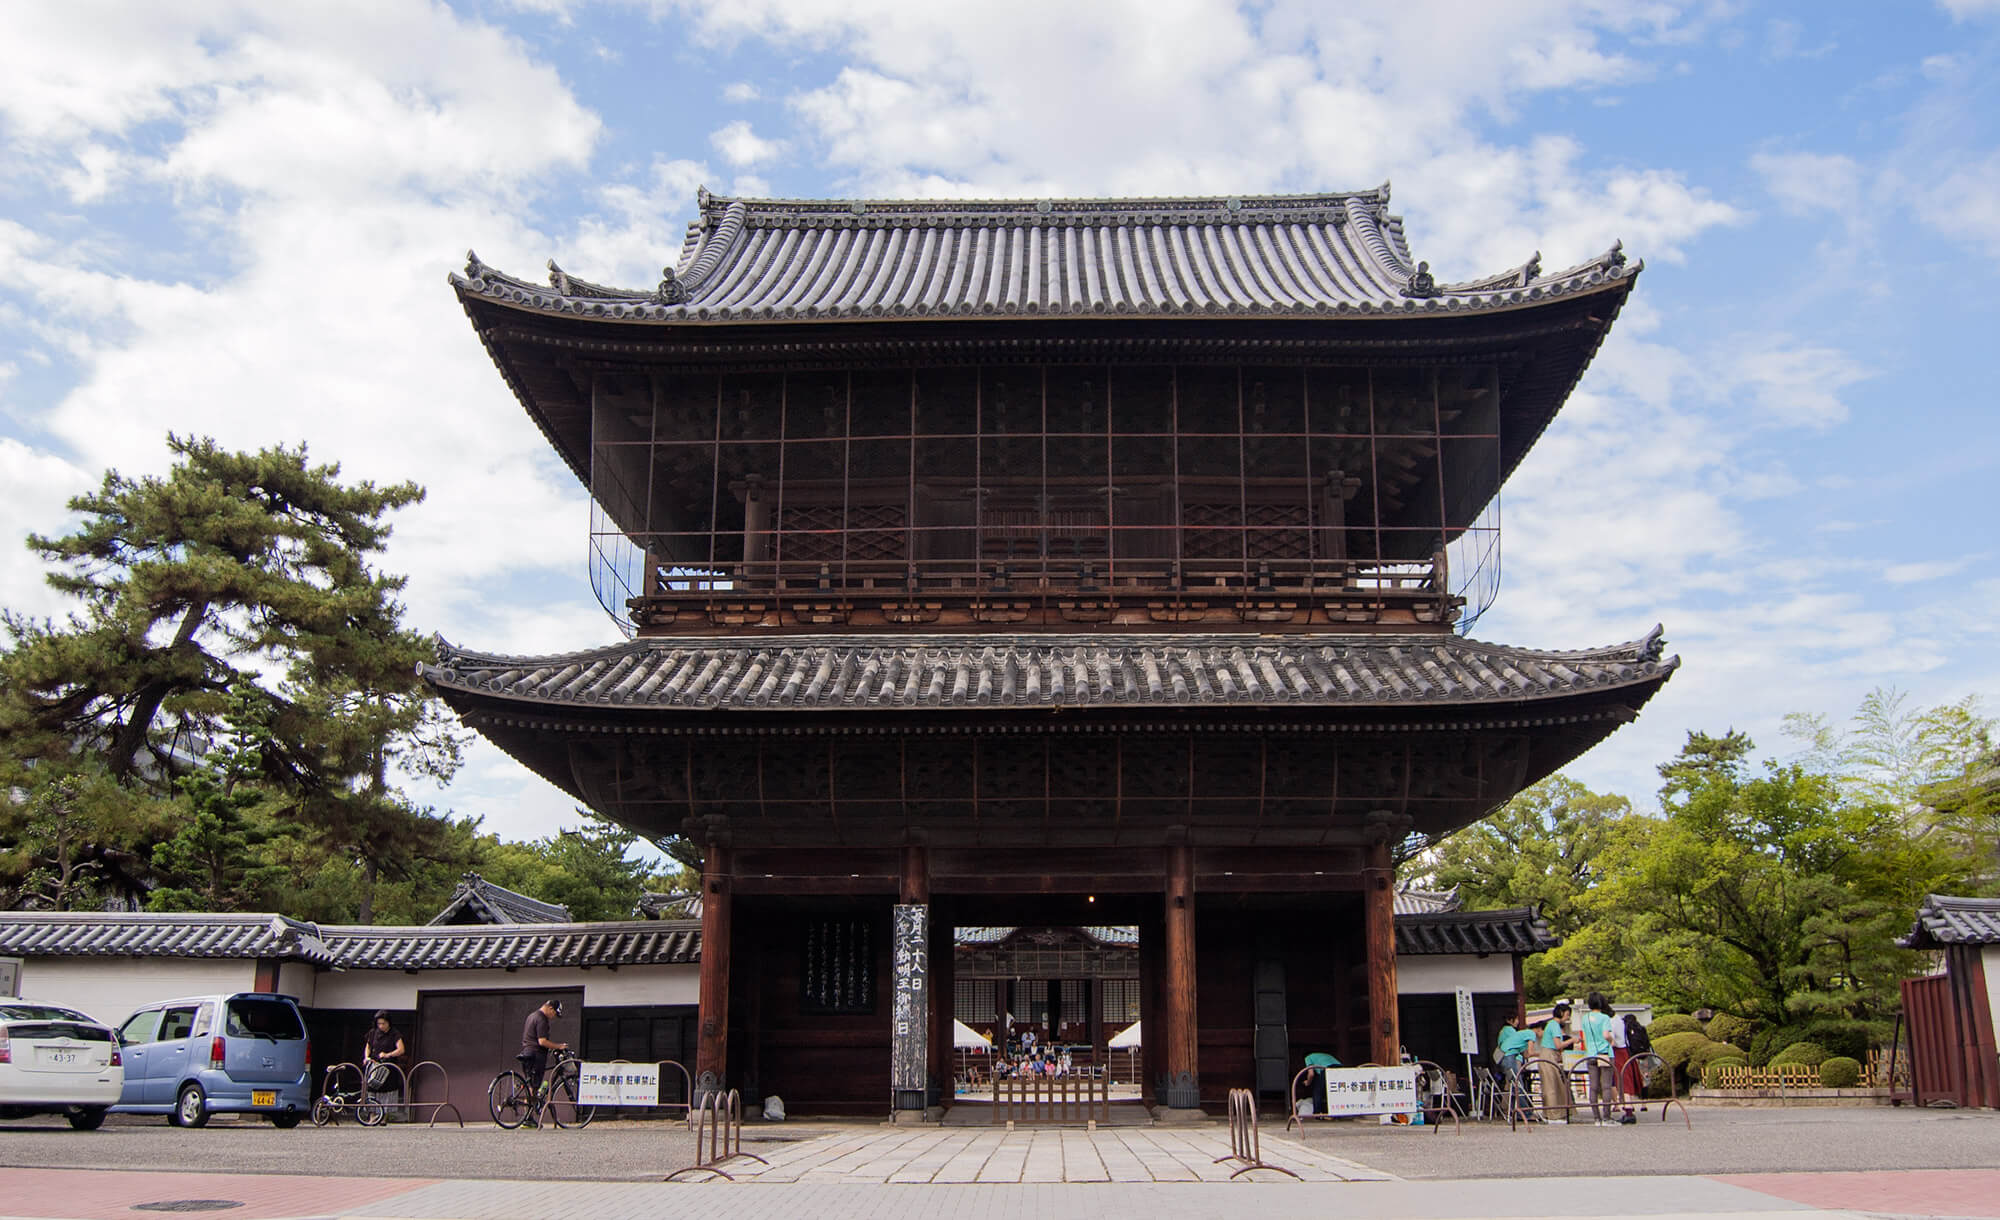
x: 536, y: 1045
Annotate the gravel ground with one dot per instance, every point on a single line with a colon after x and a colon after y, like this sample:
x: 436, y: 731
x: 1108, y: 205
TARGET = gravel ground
x: 608, y: 1151
x: 1723, y: 1140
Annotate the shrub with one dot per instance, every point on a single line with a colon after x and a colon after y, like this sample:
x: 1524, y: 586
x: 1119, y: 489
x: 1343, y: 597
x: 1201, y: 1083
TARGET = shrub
x: 1711, y: 1075
x: 1769, y: 1041
x: 1730, y: 1028
x: 1840, y: 1072
x: 1706, y: 1054
x: 1807, y: 1054
x: 1668, y: 1024
x: 1848, y: 1039
x: 1678, y: 1048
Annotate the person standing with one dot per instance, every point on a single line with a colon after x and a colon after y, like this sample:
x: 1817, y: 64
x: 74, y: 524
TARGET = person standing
x: 1555, y: 1039
x: 1595, y: 1028
x: 536, y: 1045
x: 1514, y: 1043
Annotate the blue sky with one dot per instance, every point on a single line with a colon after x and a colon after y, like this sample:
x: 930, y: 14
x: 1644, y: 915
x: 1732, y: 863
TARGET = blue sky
x: 236, y: 219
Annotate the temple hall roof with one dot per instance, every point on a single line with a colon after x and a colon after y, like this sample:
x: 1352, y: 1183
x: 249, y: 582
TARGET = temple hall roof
x: 934, y: 673
x: 477, y: 900
x: 795, y: 260
x: 1511, y: 930
x: 1944, y: 920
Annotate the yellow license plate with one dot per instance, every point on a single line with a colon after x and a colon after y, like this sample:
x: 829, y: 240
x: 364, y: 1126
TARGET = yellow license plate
x: 263, y: 1097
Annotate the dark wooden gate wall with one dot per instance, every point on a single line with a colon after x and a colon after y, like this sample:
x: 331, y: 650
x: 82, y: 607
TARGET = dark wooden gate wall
x: 1952, y: 1050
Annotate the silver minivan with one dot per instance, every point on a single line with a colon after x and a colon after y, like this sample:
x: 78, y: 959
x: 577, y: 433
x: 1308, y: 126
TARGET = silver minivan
x: 227, y: 1054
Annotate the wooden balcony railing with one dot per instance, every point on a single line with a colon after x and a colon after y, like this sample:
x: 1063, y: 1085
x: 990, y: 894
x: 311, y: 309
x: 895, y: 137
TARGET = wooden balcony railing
x: 1045, y: 594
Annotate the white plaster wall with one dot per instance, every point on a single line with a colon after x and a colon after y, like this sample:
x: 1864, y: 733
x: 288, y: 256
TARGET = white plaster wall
x: 1442, y: 973
x: 371, y: 989
x: 110, y: 988
x: 297, y: 980
x: 1990, y: 960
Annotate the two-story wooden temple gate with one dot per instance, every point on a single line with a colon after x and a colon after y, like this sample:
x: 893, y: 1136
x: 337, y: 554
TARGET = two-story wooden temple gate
x: 1045, y: 563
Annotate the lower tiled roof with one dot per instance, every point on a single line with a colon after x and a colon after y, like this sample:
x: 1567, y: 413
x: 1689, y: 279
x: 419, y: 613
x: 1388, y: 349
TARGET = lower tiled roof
x: 1944, y: 920
x: 123, y: 934
x: 940, y: 672
x: 1512, y: 930
x: 352, y: 947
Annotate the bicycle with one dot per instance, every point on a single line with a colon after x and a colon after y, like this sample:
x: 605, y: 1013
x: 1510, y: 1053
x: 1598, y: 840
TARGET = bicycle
x: 335, y: 1100
x: 512, y: 1102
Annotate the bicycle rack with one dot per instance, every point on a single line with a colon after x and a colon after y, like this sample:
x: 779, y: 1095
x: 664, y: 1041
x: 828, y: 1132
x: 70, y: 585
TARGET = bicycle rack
x: 721, y: 1118
x: 1244, y: 1143
x: 337, y: 1101
x: 1544, y: 1070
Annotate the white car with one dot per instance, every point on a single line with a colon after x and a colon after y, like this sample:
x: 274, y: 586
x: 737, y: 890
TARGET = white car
x: 56, y: 1060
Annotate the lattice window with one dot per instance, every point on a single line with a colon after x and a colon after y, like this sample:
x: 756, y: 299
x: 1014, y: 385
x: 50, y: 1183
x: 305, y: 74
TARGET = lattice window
x: 877, y: 531
x: 973, y: 1001
x: 1279, y: 531
x: 1121, y: 1001
x: 1213, y: 531
x: 839, y: 969
x: 810, y: 533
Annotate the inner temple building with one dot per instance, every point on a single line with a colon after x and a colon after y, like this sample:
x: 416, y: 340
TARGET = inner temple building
x: 1097, y: 565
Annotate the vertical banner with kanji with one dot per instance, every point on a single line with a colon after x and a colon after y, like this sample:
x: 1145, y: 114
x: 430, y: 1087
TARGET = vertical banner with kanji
x: 910, y: 1015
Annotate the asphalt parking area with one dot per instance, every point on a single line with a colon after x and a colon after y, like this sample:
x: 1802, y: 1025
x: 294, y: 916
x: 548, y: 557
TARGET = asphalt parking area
x: 1720, y: 1140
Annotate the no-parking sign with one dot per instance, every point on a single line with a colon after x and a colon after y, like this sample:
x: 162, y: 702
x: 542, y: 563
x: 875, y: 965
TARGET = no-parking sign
x: 618, y: 1084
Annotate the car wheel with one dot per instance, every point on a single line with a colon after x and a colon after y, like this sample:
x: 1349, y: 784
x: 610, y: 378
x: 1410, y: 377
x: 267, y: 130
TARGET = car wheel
x: 192, y: 1109
x: 86, y: 1118
x: 287, y: 1120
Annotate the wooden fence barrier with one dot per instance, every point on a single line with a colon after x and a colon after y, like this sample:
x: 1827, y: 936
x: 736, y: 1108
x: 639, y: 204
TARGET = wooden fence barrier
x: 1052, y: 1099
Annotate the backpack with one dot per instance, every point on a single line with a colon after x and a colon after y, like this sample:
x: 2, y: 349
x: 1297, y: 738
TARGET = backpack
x: 1637, y: 1040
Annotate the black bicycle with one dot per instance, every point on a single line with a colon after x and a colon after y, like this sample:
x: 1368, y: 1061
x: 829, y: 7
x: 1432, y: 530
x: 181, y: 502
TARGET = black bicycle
x: 512, y: 1102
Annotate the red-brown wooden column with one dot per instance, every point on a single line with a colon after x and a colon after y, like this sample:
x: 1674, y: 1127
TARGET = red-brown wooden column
x: 1183, y: 1091
x: 1378, y: 899
x: 943, y: 993
x: 711, y: 1057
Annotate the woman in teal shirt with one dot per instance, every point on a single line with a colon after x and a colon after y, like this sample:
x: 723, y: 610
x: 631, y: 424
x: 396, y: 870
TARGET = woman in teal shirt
x: 1596, y: 1030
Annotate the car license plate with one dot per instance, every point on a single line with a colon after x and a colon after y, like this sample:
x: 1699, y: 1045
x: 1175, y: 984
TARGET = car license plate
x: 263, y: 1097
x: 61, y: 1056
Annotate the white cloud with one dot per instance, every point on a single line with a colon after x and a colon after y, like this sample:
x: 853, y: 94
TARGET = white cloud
x: 1810, y: 182
x: 740, y: 92
x: 1964, y: 204
x: 742, y: 147
x: 1966, y: 10
x: 1927, y: 570
x: 1798, y: 385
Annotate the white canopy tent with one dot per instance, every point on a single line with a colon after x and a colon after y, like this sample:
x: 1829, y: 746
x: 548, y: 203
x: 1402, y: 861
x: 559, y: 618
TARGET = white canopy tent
x: 1126, y: 1039
x: 964, y: 1037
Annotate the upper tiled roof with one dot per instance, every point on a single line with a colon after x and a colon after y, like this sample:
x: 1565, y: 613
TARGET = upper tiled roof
x: 782, y: 260
x: 104, y: 934
x: 1944, y: 920
x: 124, y: 934
x: 1513, y: 930
x: 1426, y: 902
x: 477, y: 900
x: 934, y: 672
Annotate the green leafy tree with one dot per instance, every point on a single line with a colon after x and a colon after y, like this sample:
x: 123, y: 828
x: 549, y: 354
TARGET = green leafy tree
x: 1546, y: 848
x: 232, y: 569
x: 590, y: 869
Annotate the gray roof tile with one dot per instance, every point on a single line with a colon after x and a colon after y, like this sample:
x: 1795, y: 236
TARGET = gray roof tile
x: 761, y: 260
x: 477, y: 900
x: 937, y: 672
x: 1512, y: 930
x: 103, y: 934
x: 1944, y: 920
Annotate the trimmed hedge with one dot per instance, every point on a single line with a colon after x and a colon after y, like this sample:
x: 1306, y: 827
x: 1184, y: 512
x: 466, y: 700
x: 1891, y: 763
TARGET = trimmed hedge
x: 1711, y: 1075
x: 1807, y: 1054
x: 1677, y: 1049
x: 1847, y: 1039
x: 1667, y: 1024
x: 1730, y: 1028
x: 1706, y: 1054
x: 1840, y: 1072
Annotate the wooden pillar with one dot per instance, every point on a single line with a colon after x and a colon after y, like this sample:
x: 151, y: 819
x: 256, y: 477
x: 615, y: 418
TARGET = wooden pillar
x: 712, y: 1042
x: 1152, y: 1021
x: 1379, y: 930
x: 944, y: 1009
x: 1183, y: 1091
